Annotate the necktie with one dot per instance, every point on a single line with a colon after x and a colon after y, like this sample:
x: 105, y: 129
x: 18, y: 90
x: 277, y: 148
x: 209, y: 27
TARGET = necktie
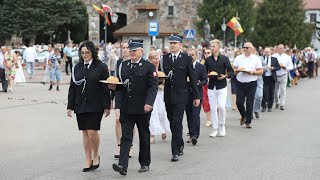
x: 86, y: 66
x: 267, y: 60
x: 133, y: 65
x: 174, y: 58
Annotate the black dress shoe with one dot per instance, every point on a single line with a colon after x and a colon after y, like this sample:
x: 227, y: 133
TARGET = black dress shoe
x: 143, y: 169
x: 174, y: 158
x: 281, y: 108
x: 248, y: 126
x: 263, y: 109
x: 257, y: 115
x: 181, y: 151
x: 120, y: 169
x: 88, y: 169
x: 194, y: 141
x: 93, y: 167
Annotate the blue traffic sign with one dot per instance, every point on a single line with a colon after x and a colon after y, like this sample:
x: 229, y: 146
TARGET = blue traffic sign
x: 153, y: 29
x: 189, y: 33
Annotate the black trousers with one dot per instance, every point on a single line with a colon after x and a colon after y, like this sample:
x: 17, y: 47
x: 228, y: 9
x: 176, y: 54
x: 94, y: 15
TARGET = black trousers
x: 310, y: 69
x: 193, y: 117
x: 4, y: 82
x: 127, y: 124
x: 268, y: 91
x: 246, y: 92
x: 175, y: 116
x: 69, y: 62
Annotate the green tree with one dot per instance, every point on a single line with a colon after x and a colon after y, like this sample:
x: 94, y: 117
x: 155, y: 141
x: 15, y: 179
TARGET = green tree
x: 282, y: 22
x: 216, y: 10
x: 33, y: 18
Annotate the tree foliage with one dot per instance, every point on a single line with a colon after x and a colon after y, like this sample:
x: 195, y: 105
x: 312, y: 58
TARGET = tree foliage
x: 282, y: 22
x: 33, y: 18
x: 216, y: 10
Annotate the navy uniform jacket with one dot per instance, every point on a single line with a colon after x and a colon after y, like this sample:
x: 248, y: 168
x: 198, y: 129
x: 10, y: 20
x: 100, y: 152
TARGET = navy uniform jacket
x: 95, y: 97
x: 176, y: 87
x: 141, y: 88
x: 200, y: 75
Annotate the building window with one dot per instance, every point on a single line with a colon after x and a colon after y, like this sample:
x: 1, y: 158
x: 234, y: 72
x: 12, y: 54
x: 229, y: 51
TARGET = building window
x: 313, y: 17
x: 170, y: 10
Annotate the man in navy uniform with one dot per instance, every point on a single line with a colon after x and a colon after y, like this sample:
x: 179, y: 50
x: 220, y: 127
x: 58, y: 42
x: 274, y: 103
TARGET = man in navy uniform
x: 178, y: 66
x: 138, y: 93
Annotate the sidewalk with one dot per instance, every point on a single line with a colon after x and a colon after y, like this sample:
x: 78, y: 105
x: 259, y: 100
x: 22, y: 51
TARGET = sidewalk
x: 39, y: 73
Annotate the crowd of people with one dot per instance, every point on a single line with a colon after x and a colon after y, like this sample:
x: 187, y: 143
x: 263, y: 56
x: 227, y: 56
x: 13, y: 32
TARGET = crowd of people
x: 153, y: 94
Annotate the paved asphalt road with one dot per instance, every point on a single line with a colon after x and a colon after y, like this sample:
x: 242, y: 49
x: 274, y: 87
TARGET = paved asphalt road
x: 38, y: 141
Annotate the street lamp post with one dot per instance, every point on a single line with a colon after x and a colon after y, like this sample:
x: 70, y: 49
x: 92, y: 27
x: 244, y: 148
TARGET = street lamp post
x: 224, y: 28
x: 114, y: 19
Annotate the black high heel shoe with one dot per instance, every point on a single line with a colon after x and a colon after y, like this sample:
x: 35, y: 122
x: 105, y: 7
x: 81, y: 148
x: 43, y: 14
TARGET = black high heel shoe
x: 116, y: 156
x: 89, y: 168
x: 93, y: 167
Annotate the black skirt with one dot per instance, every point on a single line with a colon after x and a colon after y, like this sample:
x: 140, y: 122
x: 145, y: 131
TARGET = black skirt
x: 89, y: 121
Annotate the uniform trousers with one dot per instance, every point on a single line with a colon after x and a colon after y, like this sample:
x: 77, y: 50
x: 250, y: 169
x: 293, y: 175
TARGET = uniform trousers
x: 268, y: 92
x: 280, y: 90
x: 258, y: 96
x: 246, y: 92
x: 193, y: 117
x: 127, y: 124
x: 175, y: 116
x: 69, y: 62
x: 217, y: 101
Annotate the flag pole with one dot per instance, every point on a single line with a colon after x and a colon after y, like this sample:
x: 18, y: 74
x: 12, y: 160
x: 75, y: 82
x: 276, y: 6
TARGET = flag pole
x: 235, y: 36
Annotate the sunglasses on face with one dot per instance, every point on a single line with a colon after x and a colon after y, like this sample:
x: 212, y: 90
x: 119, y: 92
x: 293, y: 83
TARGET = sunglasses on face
x: 246, y: 47
x: 85, y: 52
x: 207, y: 52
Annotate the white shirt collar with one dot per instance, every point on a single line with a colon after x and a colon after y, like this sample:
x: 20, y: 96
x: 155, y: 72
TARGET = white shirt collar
x: 137, y: 61
x: 90, y: 62
x: 177, y: 54
x: 194, y: 64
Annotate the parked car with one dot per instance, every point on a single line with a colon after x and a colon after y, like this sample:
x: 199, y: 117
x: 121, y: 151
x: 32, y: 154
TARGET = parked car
x: 21, y: 50
x: 41, y: 56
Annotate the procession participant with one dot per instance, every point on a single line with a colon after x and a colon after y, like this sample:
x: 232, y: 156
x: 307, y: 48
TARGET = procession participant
x: 282, y: 77
x: 247, y: 68
x: 138, y: 94
x: 178, y: 66
x: 193, y: 113
x: 89, y: 99
x: 217, y: 87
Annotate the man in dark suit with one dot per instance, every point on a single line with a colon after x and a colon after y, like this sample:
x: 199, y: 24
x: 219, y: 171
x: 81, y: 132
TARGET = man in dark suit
x: 138, y: 93
x: 178, y: 66
x: 270, y: 66
x: 193, y: 113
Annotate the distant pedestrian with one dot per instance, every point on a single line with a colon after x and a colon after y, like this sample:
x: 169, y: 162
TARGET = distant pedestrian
x: 67, y: 54
x: 30, y: 56
x: 10, y: 61
x: 55, y: 68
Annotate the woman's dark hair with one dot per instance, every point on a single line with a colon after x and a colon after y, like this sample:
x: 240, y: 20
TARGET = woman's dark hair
x: 90, y: 46
x: 17, y: 53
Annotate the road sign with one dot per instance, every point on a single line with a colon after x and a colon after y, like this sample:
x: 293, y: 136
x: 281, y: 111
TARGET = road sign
x: 189, y: 33
x: 153, y: 29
